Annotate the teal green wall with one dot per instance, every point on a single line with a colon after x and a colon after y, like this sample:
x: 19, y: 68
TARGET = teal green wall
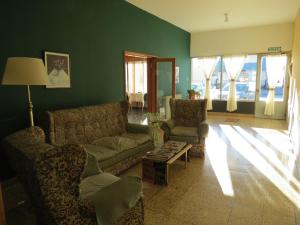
x: 95, y: 33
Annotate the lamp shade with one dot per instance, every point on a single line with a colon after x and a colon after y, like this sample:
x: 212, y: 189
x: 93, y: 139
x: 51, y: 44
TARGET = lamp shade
x: 25, y: 71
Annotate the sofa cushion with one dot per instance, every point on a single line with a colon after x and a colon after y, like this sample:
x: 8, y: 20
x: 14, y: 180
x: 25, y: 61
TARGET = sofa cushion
x: 101, y: 153
x: 91, y: 166
x: 126, y: 156
x: 184, y: 131
x: 92, y: 184
x: 116, y: 143
x: 137, y: 137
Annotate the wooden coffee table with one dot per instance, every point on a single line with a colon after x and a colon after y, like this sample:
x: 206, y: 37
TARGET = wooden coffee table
x: 157, y: 171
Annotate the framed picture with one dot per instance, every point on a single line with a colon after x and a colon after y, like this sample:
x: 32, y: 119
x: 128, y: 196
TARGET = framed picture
x: 58, y: 70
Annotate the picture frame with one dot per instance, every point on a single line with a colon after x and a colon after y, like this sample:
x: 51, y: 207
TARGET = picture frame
x: 58, y: 69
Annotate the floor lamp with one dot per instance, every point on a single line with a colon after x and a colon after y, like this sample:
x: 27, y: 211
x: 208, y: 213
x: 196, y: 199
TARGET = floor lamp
x: 25, y: 71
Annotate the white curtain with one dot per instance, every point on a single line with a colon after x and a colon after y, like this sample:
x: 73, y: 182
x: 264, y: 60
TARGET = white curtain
x: 136, y: 77
x: 207, y: 67
x: 275, y: 68
x: 233, y: 66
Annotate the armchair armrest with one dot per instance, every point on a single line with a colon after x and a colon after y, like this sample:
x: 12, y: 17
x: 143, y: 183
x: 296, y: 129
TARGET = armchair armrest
x: 203, y: 129
x: 167, y: 127
x: 137, y: 128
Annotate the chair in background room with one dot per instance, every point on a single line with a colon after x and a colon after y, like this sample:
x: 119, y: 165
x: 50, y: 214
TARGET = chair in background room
x: 187, y: 123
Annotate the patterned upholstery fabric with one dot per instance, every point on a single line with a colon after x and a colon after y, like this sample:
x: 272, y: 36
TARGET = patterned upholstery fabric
x: 188, y: 113
x: 91, y: 125
x: 51, y: 177
x: 84, y: 125
x: 187, y: 123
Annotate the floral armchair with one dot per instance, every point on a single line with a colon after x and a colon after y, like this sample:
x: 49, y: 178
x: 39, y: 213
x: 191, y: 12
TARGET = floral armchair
x: 51, y: 177
x: 188, y: 123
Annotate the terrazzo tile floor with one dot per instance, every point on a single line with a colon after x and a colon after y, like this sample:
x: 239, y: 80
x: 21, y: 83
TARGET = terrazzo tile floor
x: 246, y: 178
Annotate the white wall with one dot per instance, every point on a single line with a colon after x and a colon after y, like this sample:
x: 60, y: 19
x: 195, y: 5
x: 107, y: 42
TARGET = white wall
x: 242, y: 40
x: 294, y: 98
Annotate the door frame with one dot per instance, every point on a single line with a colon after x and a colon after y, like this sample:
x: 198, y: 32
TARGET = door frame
x: 152, y: 61
x: 259, y: 104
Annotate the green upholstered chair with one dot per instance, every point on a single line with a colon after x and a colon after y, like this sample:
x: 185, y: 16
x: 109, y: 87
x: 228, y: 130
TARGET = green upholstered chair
x: 188, y: 123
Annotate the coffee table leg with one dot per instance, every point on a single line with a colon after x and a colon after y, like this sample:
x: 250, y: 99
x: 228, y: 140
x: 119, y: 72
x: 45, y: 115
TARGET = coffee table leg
x: 167, y: 174
x: 186, y: 156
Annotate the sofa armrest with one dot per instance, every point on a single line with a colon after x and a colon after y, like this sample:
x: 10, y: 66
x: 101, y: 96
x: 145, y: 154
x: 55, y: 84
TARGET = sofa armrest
x: 34, y: 134
x: 167, y: 126
x: 137, y: 128
x: 203, y: 129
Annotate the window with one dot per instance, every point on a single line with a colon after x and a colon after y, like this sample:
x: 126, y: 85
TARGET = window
x: 136, y: 77
x: 215, y: 81
x: 198, y: 79
x: 245, y: 83
x: 198, y: 82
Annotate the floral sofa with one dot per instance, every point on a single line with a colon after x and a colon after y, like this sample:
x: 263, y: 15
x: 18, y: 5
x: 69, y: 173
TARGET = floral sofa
x: 53, y: 176
x: 104, y: 132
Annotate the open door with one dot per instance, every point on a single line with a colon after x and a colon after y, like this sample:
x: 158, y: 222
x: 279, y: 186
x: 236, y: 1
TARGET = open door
x: 161, y: 84
x: 165, y: 73
x: 280, y: 87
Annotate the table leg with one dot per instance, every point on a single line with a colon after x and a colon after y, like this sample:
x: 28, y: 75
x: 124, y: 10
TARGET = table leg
x: 167, y: 174
x: 186, y: 156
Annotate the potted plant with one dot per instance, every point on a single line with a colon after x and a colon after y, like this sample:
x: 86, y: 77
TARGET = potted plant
x: 193, y: 94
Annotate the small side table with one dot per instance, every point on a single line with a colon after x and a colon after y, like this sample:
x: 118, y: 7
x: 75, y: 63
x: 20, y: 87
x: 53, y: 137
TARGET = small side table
x: 2, y: 212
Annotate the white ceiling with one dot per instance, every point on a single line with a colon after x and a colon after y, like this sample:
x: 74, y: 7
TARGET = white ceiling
x: 202, y: 15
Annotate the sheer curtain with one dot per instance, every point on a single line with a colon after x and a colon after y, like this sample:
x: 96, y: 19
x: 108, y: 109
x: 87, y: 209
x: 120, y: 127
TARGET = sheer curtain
x: 207, y: 66
x: 136, y: 76
x: 275, y: 67
x: 233, y: 66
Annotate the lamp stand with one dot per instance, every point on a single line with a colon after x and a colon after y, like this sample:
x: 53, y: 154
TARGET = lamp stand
x: 30, y: 107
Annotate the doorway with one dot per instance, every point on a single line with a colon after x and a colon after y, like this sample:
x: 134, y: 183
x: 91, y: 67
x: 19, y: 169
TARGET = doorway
x: 137, y: 70
x: 272, y: 76
x: 149, y: 85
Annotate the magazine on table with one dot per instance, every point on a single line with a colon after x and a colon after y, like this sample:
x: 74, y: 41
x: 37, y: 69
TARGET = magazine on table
x: 159, y: 154
x: 174, y: 146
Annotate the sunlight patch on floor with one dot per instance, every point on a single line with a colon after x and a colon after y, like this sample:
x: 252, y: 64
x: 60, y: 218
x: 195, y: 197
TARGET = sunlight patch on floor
x: 250, y: 152
x: 219, y: 162
x: 279, y: 160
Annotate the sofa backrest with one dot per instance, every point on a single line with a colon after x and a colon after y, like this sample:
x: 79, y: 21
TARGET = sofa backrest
x: 188, y: 113
x: 83, y: 125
